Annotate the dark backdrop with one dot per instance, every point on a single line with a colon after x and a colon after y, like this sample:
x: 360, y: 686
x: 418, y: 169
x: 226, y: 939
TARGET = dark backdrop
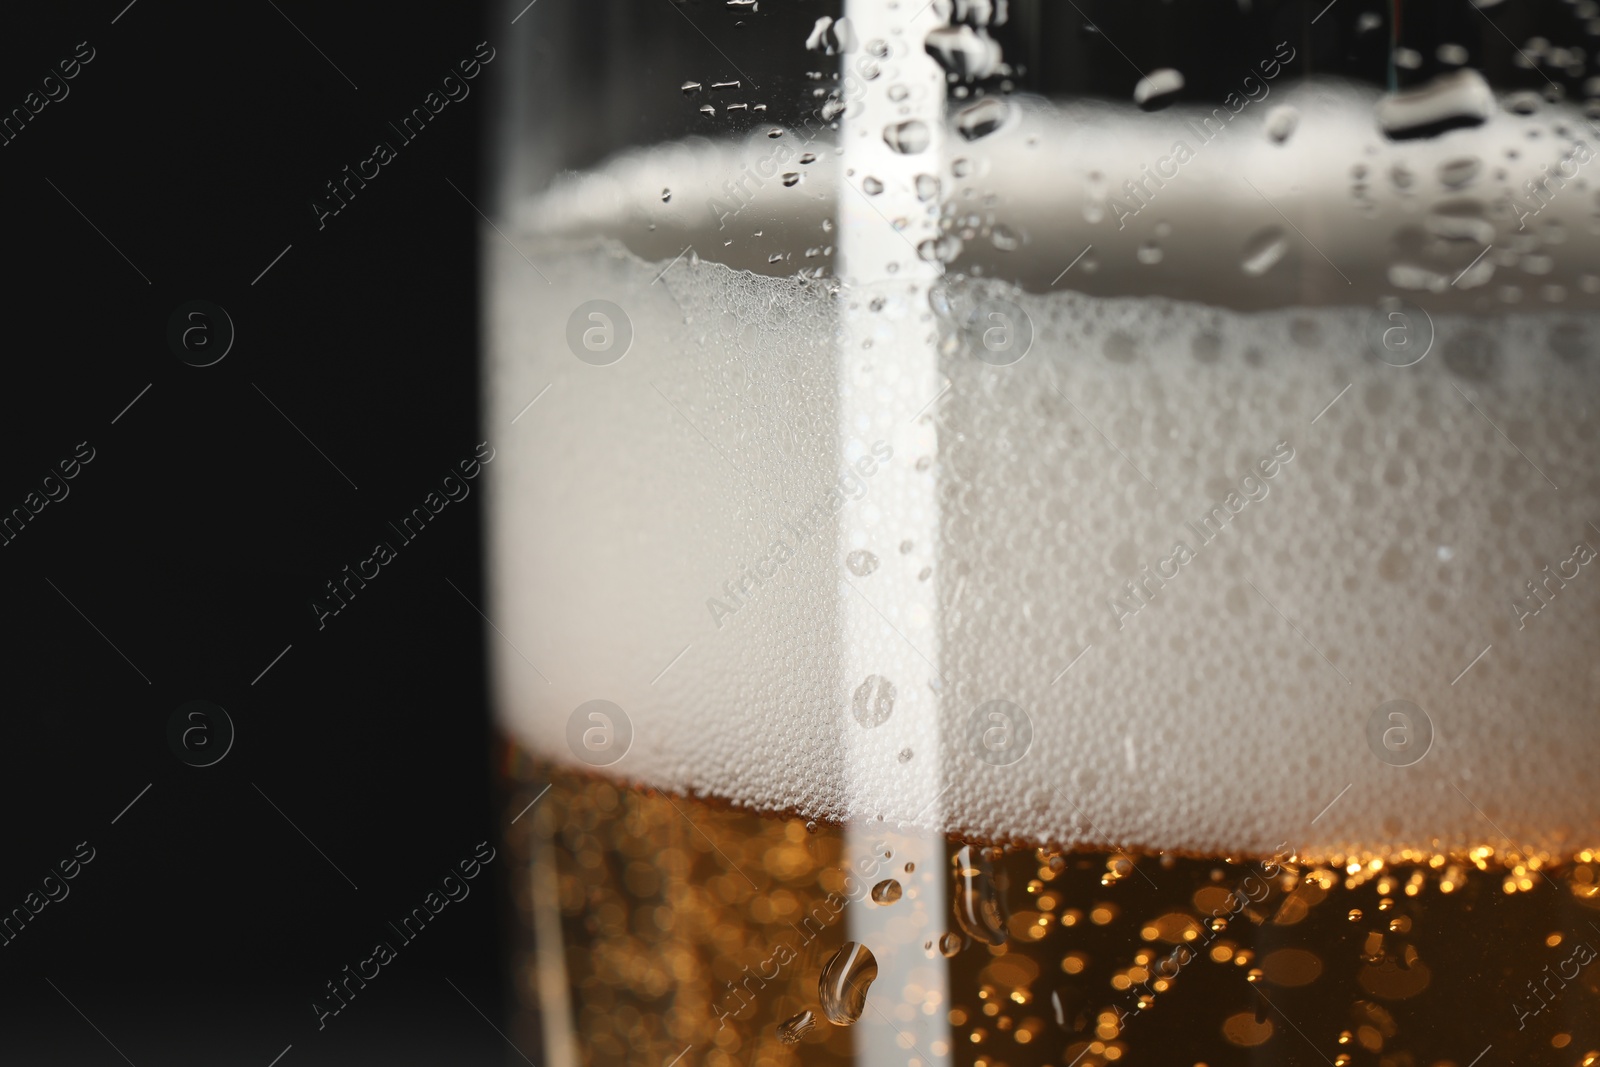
x: 180, y: 563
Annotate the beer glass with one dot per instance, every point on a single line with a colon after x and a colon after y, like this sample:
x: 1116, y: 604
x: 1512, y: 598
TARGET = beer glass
x: 1048, y: 533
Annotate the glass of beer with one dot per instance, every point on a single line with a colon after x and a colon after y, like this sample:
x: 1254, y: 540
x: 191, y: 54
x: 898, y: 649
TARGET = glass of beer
x: 1048, y: 533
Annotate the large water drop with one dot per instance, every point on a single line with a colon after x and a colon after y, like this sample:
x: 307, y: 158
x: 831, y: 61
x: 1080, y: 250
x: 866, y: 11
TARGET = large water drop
x: 844, y: 983
x: 982, y: 118
x: 908, y: 138
x: 1158, y: 89
x: 977, y: 900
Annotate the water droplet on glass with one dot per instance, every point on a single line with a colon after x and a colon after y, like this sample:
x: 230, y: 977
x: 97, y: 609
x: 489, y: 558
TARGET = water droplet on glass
x: 666, y: 196
x: 1458, y: 172
x: 977, y: 899
x: 844, y: 982
x: 942, y: 249
x: 1460, y: 98
x: 874, y: 701
x: 905, y: 755
x: 927, y: 187
x: 949, y: 944
x: 1158, y: 89
x: 792, y: 1029
x: 907, y: 138
x: 1523, y: 102
x: 906, y: 547
x: 690, y: 87
x: 1005, y: 238
x: 791, y: 179
x: 886, y: 892
x: 861, y: 562
x: 1150, y: 254
x: 963, y: 51
x: 831, y: 36
x: 871, y: 186
x: 982, y: 118
x: 1281, y: 123
x: 1263, y: 251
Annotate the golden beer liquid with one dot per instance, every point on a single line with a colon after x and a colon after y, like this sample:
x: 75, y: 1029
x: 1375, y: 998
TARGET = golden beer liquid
x: 692, y: 930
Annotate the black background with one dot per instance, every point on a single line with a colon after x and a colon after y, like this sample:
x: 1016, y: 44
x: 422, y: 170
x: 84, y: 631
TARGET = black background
x: 187, y: 553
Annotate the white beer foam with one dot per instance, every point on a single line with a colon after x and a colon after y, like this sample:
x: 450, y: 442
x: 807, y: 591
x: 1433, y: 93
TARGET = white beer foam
x: 1386, y: 560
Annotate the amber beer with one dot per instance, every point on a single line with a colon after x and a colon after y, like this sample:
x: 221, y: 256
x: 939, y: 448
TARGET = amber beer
x: 681, y: 923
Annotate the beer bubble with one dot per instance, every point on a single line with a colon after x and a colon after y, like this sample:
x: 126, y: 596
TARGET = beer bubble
x: 843, y: 985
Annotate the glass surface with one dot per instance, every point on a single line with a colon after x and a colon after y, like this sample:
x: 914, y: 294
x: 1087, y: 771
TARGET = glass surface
x: 1031, y: 533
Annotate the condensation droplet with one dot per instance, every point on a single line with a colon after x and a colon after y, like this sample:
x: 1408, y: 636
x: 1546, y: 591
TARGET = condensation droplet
x: 874, y: 701
x: 871, y: 186
x: 792, y: 1029
x: 949, y: 944
x: 908, y: 138
x: 977, y: 900
x: 1263, y: 251
x: 1458, y: 172
x: 1281, y: 123
x: 1158, y: 89
x: 690, y: 87
x: 927, y: 187
x: 861, y: 562
x: 846, y: 976
x: 982, y: 118
x: 1460, y: 98
x: 886, y: 892
x: 963, y: 51
x: 791, y: 179
x: 831, y: 36
x: 905, y: 755
x: 1005, y: 238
